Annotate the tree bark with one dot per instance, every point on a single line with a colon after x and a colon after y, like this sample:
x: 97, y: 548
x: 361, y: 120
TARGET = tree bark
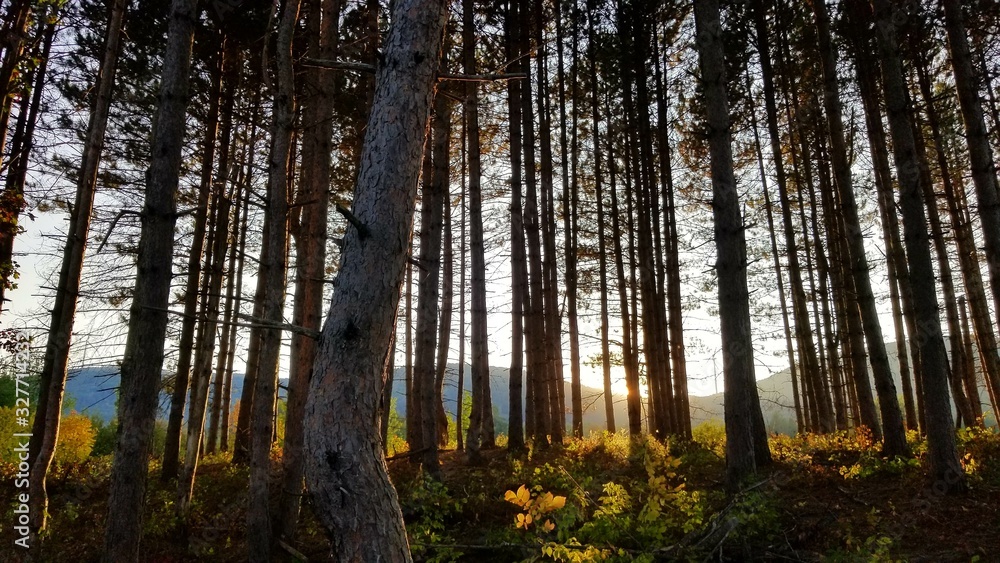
x: 894, y: 432
x: 595, y: 108
x: 310, y: 234
x: 346, y: 473
x: 273, y: 267
x: 519, y: 267
x: 143, y: 358
x: 482, y: 406
x: 55, y: 366
x: 984, y: 175
x: 945, y: 468
x: 746, y: 439
x: 435, y: 190
x: 800, y: 312
x: 967, y: 252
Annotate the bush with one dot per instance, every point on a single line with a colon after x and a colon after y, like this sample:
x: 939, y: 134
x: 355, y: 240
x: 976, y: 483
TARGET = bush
x: 104, y: 440
x: 76, y: 439
x: 712, y: 435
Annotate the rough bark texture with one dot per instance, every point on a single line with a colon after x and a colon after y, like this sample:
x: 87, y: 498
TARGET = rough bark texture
x: 746, y: 439
x: 143, y: 358
x: 310, y: 232
x: 346, y: 471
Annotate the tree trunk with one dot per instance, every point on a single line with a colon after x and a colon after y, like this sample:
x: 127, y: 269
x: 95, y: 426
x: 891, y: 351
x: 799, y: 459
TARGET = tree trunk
x: 186, y: 346
x: 595, y: 107
x: 435, y: 190
x: 460, y: 393
x: 633, y: 400
x: 273, y: 267
x: 800, y: 426
x: 570, y: 200
x: 899, y: 277
x: 143, y: 358
x: 221, y: 237
x: 19, y: 12
x: 892, y: 419
x: 444, y: 330
x: 550, y: 293
x: 519, y: 267
x: 746, y: 439
x: 967, y: 252
x: 534, y: 328
x: 800, y: 312
x: 55, y: 365
x: 310, y: 232
x: 672, y: 269
x: 478, y: 435
x: 205, y: 348
x: 984, y: 175
x: 945, y: 468
x: 346, y: 473
x: 239, y: 249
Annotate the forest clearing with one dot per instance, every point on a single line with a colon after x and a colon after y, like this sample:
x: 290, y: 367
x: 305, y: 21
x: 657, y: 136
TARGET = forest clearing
x: 455, y: 280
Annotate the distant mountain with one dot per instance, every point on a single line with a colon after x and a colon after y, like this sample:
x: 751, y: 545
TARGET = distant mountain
x: 94, y: 390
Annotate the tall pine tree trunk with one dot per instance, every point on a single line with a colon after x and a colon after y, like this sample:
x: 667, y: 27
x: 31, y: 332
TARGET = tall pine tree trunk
x: 894, y: 432
x: 984, y: 174
x: 274, y: 257
x: 310, y: 233
x: 143, y: 358
x: 346, y: 472
x: 746, y: 438
x: 945, y: 469
x: 55, y: 366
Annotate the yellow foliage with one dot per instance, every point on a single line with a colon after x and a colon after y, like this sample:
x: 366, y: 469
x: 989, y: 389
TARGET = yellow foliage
x: 534, y: 506
x: 76, y: 439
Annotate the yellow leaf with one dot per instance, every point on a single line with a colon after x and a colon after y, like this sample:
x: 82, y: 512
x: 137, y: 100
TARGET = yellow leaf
x: 520, y: 521
x: 523, y: 495
x: 510, y: 496
x: 527, y: 519
x: 557, y: 503
x: 548, y: 526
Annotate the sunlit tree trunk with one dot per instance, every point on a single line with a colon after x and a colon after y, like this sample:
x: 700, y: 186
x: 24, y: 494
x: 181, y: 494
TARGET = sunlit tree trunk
x: 346, y: 472
x: 309, y: 230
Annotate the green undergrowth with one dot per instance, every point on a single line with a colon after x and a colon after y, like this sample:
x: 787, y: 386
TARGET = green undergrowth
x: 605, y: 497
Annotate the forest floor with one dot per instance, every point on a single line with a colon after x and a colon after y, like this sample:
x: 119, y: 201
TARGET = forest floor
x: 602, y: 498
